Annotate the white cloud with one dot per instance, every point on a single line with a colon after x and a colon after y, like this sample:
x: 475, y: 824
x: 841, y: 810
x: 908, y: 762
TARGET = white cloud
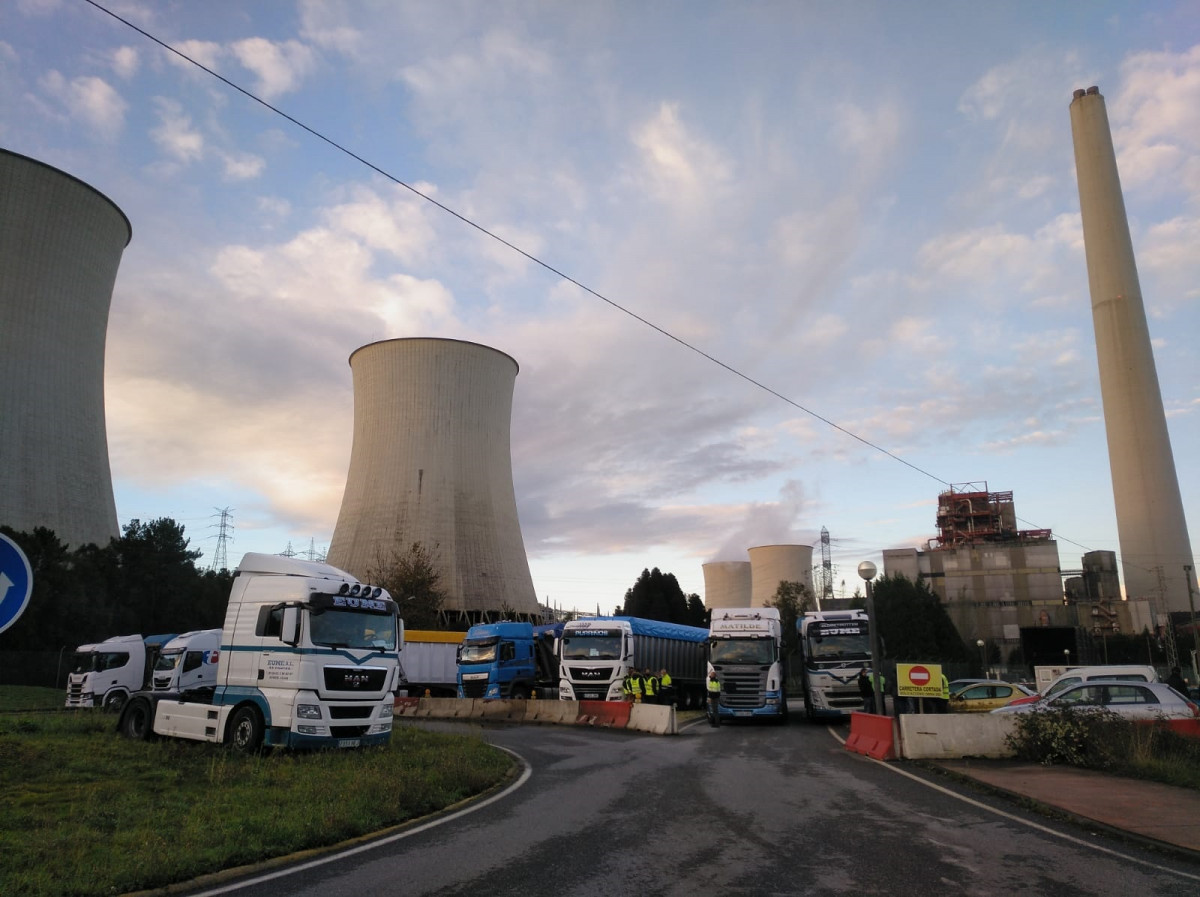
x: 680, y: 168
x: 125, y: 62
x: 207, y: 53
x: 242, y: 166
x: 280, y: 66
x: 89, y: 99
x: 175, y: 135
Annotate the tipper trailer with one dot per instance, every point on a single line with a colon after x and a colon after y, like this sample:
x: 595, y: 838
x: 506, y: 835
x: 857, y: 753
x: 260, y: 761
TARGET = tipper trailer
x: 596, y: 653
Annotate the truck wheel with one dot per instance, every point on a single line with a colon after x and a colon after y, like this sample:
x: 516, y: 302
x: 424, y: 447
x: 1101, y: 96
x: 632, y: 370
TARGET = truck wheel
x: 520, y: 693
x: 137, y: 720
x: 114, y: 701
x: 246, y: 730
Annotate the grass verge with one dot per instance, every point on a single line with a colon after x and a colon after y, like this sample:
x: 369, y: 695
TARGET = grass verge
x: 84, y: 811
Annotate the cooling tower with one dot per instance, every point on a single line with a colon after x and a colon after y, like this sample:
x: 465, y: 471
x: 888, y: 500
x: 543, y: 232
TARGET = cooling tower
x: 1150, y: 524
x: 60, y: 246
x: 772, y: 564
x: 431, y: 463
x: 726, y: 584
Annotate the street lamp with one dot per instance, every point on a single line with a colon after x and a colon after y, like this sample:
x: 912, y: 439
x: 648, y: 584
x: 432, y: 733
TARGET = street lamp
x: 1066, y: 657
x: 981, y: 645
x: 867, y: 571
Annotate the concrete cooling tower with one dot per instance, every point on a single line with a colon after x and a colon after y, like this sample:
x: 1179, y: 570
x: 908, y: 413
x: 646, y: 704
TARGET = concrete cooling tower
x: 1156, y: 555
x: 431, y: 463
x: 60, y: 246
x: 726, y: 584
x: 772, y: 564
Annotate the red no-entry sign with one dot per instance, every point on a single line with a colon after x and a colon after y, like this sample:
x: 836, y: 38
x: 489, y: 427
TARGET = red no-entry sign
x: 919, y: 680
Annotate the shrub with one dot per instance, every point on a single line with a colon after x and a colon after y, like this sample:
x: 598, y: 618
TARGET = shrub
x: 1094, y: 739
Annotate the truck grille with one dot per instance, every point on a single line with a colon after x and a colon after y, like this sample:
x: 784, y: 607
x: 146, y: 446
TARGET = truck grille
x: 475, y: 689
x: 339, y: 711
x: 743, y: 689
x: 355, y: 678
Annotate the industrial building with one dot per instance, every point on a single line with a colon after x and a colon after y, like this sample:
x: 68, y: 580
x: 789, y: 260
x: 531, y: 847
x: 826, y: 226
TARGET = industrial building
x: 1156, y: 554
x: 991, y: 577
x: 431, y: 464
x: 61, y: 243
x: 1005, y: 587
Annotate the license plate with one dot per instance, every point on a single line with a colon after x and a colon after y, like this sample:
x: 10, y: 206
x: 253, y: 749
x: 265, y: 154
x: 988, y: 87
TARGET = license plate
x: 348, y: 742
x: 741, y: 713
x: 592, y: 696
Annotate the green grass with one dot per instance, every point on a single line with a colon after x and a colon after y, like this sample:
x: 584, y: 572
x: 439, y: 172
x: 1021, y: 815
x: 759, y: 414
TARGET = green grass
x: 85, y: 811
x: 31, y: 697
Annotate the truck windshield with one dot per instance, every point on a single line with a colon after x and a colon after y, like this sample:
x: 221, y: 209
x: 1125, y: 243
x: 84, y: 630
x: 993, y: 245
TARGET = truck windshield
x: 591, y: 647
x: 753, y: 651
x: 334, y: 628
x: 167, y: 661
x: 479, y: 650
x: 822, y: 648
x: 83, y: 662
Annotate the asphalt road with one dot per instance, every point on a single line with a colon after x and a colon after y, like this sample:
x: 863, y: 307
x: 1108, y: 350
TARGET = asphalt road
x: 740, y: 810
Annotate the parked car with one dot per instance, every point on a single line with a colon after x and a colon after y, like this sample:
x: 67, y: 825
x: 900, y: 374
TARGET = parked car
x: 1132, y: 700
x: 957, y: 685
x: 1076, y: 675
x: 981, y: 697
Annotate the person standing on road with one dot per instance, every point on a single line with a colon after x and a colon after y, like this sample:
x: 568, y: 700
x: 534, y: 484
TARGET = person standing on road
x: 865, y: 691
x: 635, y: 685
x: 665, y: 688
x: 714, y: 699
x: 649, y: 686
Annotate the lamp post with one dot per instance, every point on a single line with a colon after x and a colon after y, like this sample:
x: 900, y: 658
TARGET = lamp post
x: 1187, y: 569
x: 1066, y: 657
x: 982, y: 646
x: 867, y: 571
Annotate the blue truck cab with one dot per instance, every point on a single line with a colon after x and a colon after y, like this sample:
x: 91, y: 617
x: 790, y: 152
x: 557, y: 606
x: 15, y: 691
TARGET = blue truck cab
x: 509, y: 660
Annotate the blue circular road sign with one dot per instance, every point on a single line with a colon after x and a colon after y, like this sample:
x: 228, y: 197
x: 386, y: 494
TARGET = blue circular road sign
x: 16, y: 582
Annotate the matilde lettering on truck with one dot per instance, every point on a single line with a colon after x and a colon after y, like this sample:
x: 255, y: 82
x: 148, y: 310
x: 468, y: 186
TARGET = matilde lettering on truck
x: 309, y: 658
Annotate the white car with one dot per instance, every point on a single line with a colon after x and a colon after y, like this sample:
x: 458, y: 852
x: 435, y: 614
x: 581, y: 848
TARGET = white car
x: 1132, y: 700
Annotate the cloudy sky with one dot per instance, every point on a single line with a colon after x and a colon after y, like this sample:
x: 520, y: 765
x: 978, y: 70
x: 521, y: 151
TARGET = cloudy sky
x: 856, y: 223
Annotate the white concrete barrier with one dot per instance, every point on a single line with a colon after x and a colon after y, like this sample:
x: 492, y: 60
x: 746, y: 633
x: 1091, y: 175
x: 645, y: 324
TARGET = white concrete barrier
x: 945, y: 736
x: 653, y: 718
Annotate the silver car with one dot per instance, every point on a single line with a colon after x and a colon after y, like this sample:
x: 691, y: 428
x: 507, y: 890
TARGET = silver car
x: 1132, y: 700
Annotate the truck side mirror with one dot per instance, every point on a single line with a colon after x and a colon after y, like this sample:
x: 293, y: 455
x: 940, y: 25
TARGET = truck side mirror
x: 290, y: 629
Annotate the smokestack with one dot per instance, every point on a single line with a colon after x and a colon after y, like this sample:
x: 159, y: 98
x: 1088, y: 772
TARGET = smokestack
x: 1155, y: 549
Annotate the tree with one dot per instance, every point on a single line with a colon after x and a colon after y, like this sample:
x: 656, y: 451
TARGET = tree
x: 656, y: 596
x: 791, y: 599
x: 913, y: 625
x: 413, y: 581
x: 697, y: 613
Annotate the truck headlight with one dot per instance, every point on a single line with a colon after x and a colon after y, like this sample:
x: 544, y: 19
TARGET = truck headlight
x: 385, y: 712
x: 308, y: 711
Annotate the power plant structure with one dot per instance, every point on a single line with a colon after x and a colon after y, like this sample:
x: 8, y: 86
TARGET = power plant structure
x: 1156, y: 555
x: 772, y: 564
x: 754, y: 583
x: 726, y: 584
x: 431, y: 465
x: 61, y: 242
